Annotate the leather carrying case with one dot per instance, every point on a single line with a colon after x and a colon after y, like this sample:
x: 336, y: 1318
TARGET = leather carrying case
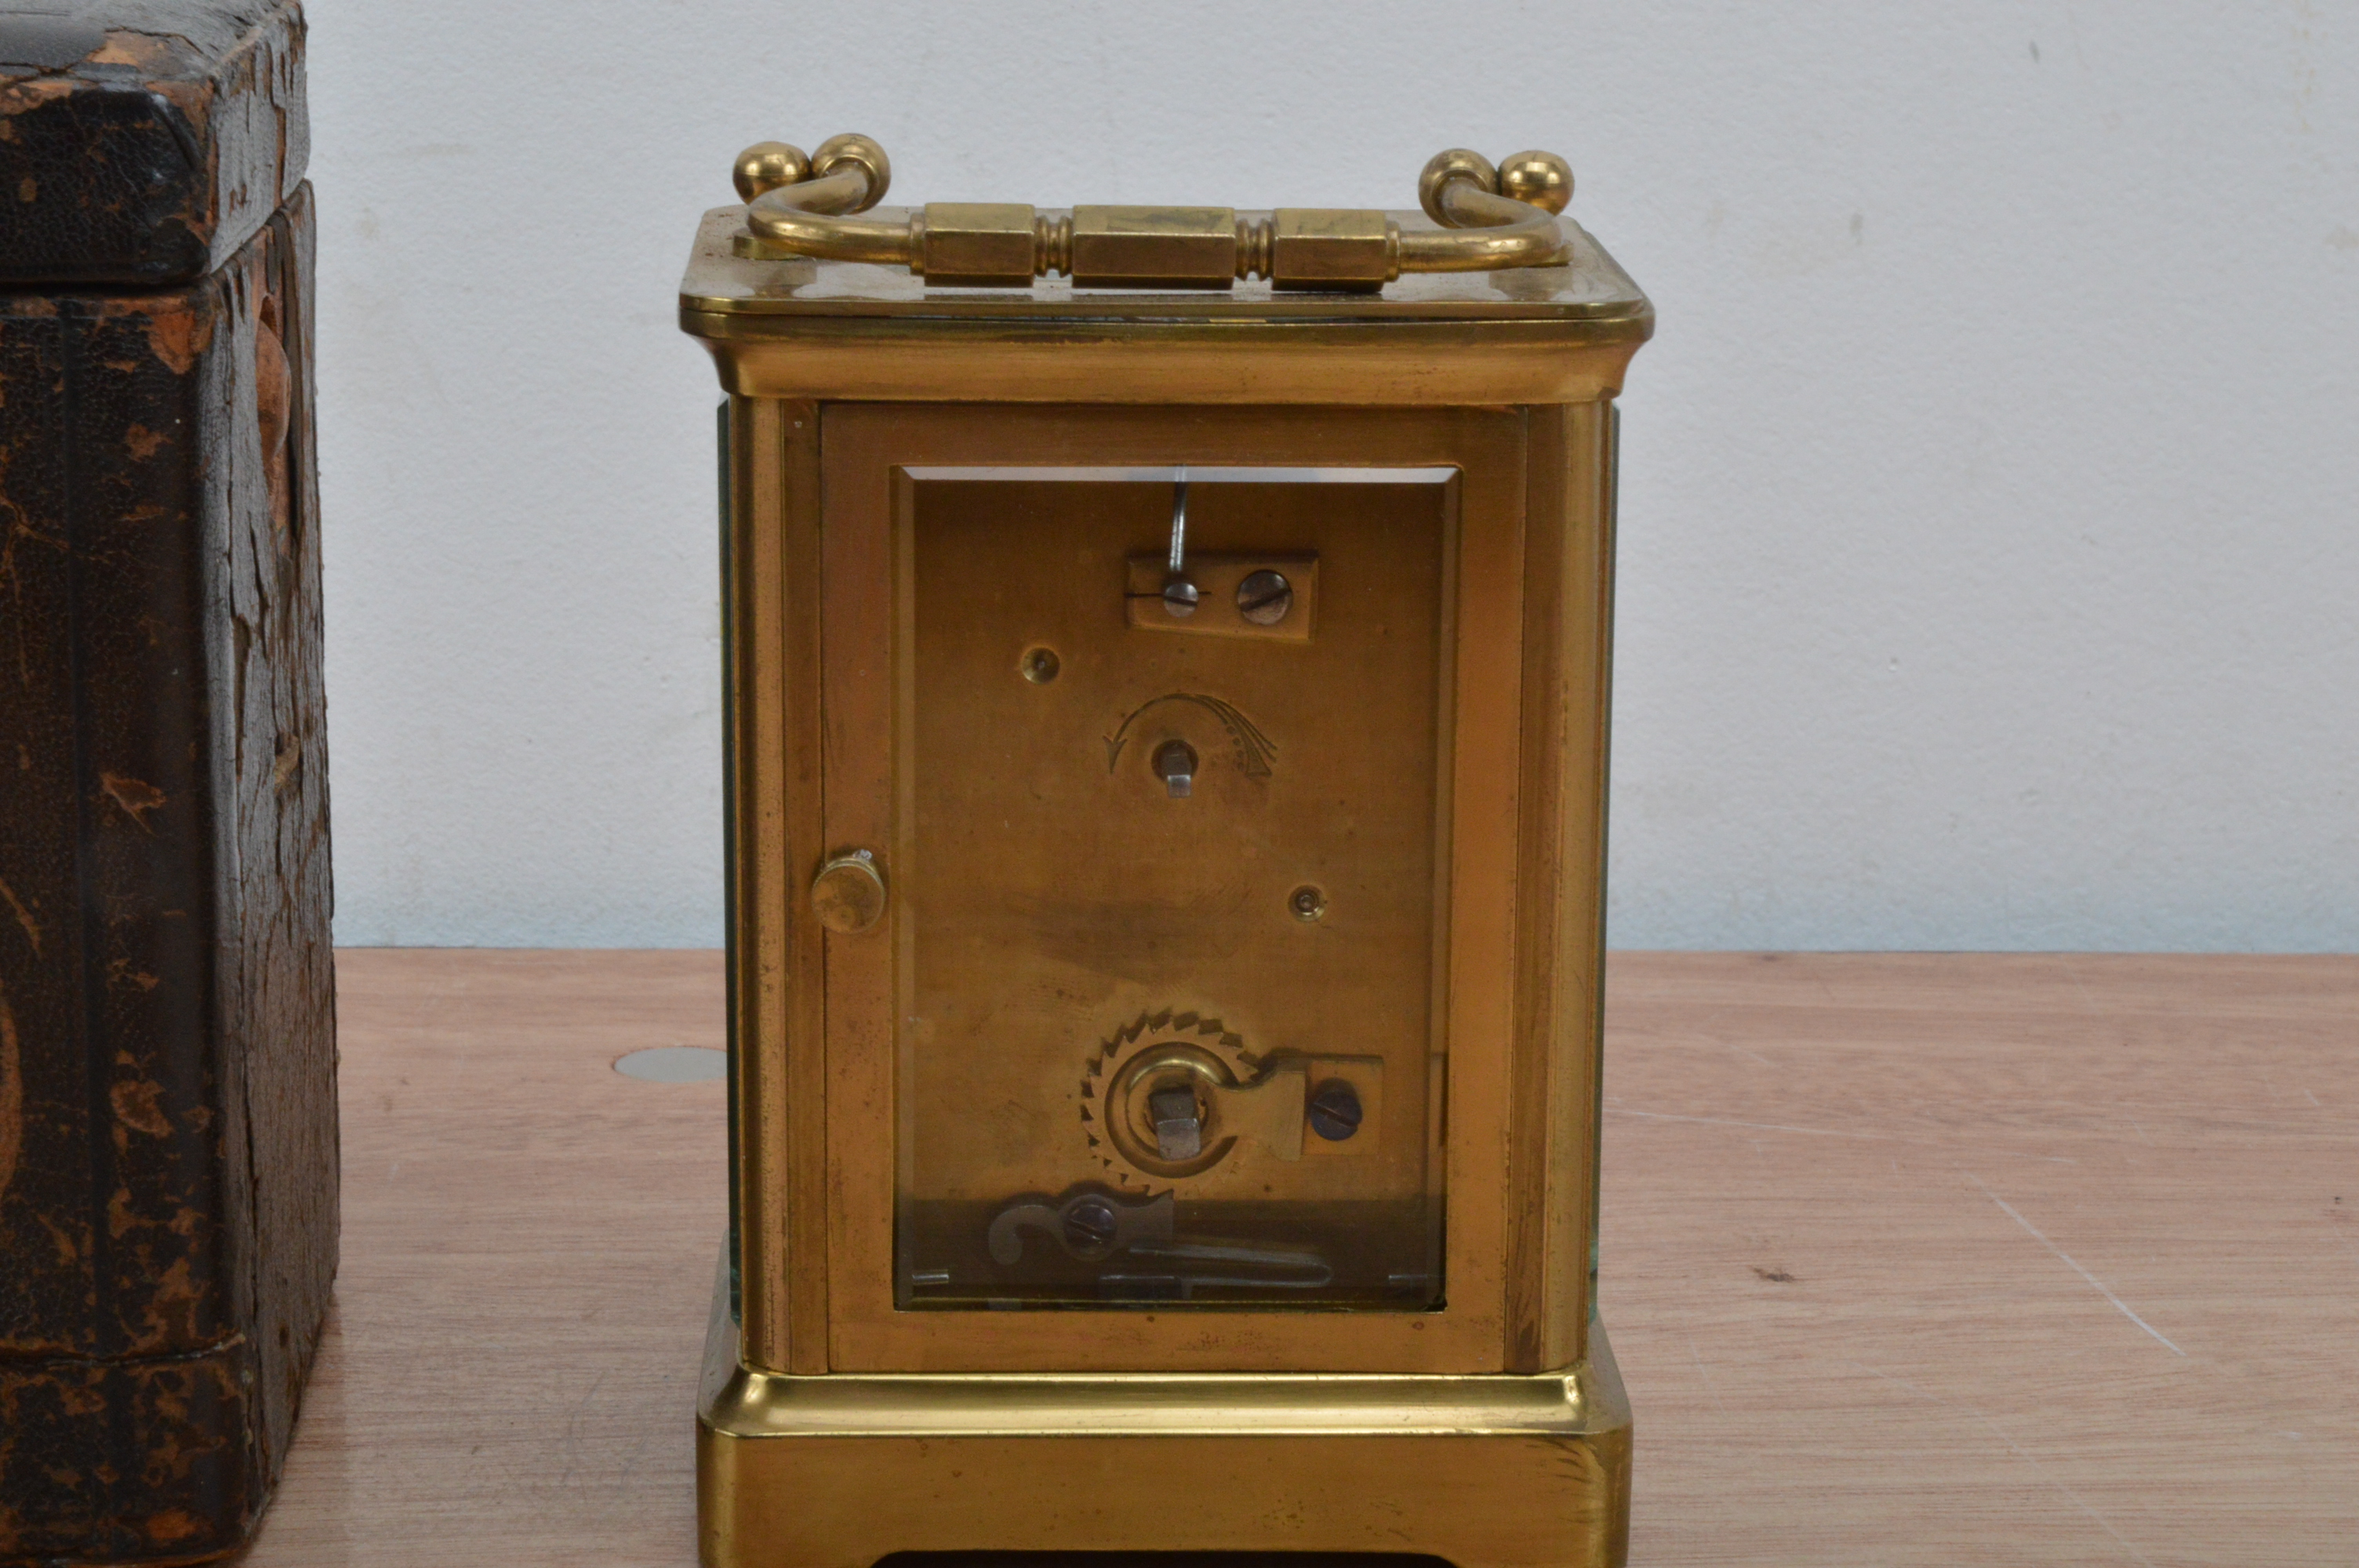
x: 167, y: 1132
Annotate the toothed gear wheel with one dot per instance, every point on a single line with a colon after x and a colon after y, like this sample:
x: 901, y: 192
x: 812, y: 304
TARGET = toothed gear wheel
x: 1147, y: 1030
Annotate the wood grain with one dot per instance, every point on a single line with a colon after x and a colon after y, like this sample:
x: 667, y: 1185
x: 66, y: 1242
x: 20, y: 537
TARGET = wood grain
x: 509, y: 1372
x: 1909, y: 1260
x: 2027, y: 1259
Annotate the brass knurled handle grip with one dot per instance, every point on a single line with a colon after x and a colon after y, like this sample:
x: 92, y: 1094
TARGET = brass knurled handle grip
x: 1492, y: 216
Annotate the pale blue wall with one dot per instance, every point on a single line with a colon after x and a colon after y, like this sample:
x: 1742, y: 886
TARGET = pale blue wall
x: 1991, y: 498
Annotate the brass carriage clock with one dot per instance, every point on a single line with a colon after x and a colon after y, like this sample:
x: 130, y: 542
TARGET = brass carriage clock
x: 1167, y: 675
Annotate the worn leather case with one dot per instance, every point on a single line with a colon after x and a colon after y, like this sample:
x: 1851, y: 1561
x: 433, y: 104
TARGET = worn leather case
x: 168, y: 1132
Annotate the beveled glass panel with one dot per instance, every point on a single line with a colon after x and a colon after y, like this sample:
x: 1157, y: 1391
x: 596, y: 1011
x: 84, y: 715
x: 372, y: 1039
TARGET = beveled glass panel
x: 1171, y: 889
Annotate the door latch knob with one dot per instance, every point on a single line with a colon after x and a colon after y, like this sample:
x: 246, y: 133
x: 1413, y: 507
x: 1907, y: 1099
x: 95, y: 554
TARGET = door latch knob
x: 848, y: 893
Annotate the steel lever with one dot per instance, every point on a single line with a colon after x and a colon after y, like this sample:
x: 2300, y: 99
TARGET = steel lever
x: 1088, y: 1225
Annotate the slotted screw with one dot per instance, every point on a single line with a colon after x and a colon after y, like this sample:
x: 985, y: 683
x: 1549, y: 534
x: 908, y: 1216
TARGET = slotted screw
x: 1090, y: 1226
x: 1335, y: 1110
x: 1265, y: 597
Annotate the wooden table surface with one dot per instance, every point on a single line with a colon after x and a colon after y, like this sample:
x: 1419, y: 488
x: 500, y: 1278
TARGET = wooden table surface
x: 1908, y: 1260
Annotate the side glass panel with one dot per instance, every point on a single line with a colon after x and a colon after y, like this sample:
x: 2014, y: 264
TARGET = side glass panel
x: 1171, y: 888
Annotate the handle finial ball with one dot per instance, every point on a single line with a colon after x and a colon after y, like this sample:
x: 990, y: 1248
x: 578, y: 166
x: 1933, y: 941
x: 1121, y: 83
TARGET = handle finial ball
x: 765, y: 166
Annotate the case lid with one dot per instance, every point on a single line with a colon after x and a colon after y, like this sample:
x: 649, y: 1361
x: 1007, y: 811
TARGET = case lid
x: 797, y: 328
x: 1589, y: 287
x: 142, y: 142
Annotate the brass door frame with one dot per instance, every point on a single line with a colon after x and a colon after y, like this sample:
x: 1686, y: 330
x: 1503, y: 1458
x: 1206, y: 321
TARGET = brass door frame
x: 865, y: 451
x: 1556, y: 579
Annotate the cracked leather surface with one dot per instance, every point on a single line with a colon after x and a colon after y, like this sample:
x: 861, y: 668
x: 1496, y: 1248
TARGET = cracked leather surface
x: 167, y: 1127
x: 143, y: 142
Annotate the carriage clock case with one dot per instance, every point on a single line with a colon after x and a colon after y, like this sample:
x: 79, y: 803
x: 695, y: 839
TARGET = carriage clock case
x: 1166, y: 701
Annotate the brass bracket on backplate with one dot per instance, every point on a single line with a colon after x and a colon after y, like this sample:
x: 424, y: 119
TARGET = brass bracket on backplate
x: 1170, y: 1095
x: 1273, y: 595
x: 1492, y: 216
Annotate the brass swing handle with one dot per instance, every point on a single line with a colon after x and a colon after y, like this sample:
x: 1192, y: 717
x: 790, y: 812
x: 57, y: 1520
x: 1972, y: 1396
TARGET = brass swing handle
x: 1492, y: 218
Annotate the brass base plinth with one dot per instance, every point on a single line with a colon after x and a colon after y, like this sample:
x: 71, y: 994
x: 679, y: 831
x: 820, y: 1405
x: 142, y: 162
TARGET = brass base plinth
x: 838, y: 1471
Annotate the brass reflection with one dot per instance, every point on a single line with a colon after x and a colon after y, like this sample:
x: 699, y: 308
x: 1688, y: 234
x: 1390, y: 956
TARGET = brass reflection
x: 1491, y: 217
x: 1165, y: 915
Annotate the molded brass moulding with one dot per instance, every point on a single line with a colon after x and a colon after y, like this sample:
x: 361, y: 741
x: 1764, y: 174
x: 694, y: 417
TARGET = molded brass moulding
x: 1493, y: 217
x: 1415, y: 363
x: 838, y: 1471
x: 832, y: 330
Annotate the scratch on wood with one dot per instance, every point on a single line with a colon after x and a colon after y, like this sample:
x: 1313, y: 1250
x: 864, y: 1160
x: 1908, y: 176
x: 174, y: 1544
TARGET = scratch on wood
x: 2021, y: 1453
x: 136, y: 796
x: 20, y: 526
x: 178, y: 336
x: 173, y: 1525
x: 137, y: 1104
x: 24, y: 917
x: 1815, y: 1132
x: 1710, y: 1387
x: 2100, y: 1284
x: 12, y: 1095
x: 142, y: 51
x: 1754, y: 1126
